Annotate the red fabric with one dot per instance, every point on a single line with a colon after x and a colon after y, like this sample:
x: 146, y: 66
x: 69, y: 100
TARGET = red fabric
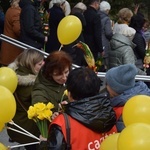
x: 118, y: 111
x: 82, y: 138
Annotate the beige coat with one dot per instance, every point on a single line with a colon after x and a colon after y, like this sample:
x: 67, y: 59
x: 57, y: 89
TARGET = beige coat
x: 12, y: 29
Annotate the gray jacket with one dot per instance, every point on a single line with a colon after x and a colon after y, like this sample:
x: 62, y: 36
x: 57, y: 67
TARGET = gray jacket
x: 122, y: 52
x: 107, y: 32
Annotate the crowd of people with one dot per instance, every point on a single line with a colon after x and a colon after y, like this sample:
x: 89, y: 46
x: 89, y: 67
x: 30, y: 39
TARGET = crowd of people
x: 23, y: 23
x: 92, y: 112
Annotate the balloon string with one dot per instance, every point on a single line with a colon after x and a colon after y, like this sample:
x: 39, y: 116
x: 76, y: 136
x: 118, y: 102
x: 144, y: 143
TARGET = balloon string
x: 60, y: 48
x: 23, y: 133
x: 12, y: 122
x: 15, y: 146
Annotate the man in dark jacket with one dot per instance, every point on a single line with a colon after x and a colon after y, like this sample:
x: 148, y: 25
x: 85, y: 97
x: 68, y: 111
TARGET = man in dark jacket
x: 89, y: 114
x: 93, y: 30
x: 56, y: 15
x: 31, y: 27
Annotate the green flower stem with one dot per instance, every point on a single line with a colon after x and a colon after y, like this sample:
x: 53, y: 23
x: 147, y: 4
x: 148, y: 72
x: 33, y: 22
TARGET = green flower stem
x: 61, y: 101
x: 46, y: 129
x: 39, y: 126
x: 43, y: 127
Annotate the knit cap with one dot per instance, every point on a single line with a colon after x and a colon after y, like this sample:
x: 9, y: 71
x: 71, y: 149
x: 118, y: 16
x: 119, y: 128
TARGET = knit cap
x: 121, y: 78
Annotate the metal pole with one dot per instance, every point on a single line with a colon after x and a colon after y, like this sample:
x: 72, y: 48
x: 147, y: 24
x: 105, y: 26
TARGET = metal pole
x: 22, y: 45
x: 25, y: 46
x: 137, y: 77
x: 16, y: 41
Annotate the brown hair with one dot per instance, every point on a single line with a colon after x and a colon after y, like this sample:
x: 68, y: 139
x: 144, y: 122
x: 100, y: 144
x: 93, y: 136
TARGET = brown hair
x: 56, y: 61
x: 124, y: 15
x: 29, y: 58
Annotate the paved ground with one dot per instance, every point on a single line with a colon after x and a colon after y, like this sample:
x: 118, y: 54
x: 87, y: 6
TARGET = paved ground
x: 4, y: 139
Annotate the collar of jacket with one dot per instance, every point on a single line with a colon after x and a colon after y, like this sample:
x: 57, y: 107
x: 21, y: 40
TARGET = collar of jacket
x: 94, y: 112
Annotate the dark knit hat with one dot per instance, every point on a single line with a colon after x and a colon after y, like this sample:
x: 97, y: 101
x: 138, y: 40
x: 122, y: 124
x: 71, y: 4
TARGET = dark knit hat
x: 121, y: 78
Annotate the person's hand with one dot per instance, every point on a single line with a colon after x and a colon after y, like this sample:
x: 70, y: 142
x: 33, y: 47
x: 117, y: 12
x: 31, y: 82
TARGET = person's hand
x: 136, y: 8
x: 43, y: 143
x: 42, y: 138
x: 64, y: 102
x: 54, y: 115
x: 60, y: 108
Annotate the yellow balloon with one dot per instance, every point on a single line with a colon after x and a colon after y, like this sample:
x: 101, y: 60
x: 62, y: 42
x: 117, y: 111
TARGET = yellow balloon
x: 69, y: 29
x: 137, y: 110
x: 2, y: 125
x: 135, y: 137
x: 2, y: 147
x: 7, y: 105
x: 8, y: 78
x: 110, y: 143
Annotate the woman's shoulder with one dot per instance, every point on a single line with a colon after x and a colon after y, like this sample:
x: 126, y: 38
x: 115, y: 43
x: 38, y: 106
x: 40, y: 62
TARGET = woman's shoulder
x: 12, y: 12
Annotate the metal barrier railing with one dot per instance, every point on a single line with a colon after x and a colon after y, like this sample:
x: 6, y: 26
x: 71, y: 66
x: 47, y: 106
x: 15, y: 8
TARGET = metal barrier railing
x: 25, y: 46
x: 19, y: 44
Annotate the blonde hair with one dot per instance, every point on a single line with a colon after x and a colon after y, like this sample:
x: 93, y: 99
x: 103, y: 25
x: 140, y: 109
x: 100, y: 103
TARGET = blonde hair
x: 124, y: 15
x: 29, y: 58
x: 15, y: 3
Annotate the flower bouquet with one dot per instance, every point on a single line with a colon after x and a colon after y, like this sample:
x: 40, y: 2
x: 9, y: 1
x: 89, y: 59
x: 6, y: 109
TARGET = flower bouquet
x: 41, y: 114
x: 88, y: 55
x: 146, y: 60
x: 44, y: 14
x: 45, y: 23
x: 99, y: 64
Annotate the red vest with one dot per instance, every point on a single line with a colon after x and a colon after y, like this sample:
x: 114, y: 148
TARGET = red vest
x: 82, y: 138
x: 118, y: 111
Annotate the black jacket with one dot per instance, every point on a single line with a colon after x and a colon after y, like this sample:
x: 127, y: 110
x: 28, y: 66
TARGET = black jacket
x: 31, y: 27
x: 93, y: 31
x: 75, y: 52
x: 139, y: 50
x: 95, y: 113
x: 56, y: 15
x: 107, y: 32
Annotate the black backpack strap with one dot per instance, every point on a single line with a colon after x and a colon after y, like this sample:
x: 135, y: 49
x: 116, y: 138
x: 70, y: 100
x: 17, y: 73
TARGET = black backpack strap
x: 67, y: 123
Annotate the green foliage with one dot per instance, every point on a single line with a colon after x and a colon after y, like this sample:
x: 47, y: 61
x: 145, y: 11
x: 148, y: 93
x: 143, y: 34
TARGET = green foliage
x: 116, y: 5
